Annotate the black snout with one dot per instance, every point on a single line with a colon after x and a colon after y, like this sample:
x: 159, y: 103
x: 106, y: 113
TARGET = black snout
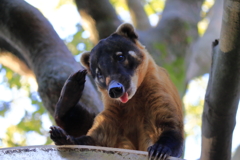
x: 115, y: 89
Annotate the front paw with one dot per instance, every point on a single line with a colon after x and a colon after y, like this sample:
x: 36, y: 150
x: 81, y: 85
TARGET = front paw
x: 75, y: 83
x: 72, y: 89
x: 159, y: 152
x: 60, y: 137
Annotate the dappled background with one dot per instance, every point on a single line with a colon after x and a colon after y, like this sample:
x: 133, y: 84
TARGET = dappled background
x: 179, y: 37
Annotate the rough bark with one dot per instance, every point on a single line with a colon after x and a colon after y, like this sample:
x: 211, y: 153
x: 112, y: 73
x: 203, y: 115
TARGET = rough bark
x: 200, y: 59
x: 30, y: 35
x: 223, y: 91
x: 138, y: 14
x: 99, y: 18
x: 16, y: 61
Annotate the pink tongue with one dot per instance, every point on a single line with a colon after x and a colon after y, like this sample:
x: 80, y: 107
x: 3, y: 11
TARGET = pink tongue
x: 124, y: 98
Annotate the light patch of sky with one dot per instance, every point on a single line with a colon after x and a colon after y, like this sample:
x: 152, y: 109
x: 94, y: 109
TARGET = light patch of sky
x: 192, y: 148
x: 63, y: 19
x: 204, y: 8
x: 124, y: 14
x: 17, y: 137
x: 85, y: 34
x: 154, y: 18
x: 47, y: 122
x: 4, y: 125
x: 77, y: 57
x: 197, y: 89
x: 6, y: 93
x: 41, y: 5
x: 80, y: 46
x: 236, y: 132
x: 33, y: 138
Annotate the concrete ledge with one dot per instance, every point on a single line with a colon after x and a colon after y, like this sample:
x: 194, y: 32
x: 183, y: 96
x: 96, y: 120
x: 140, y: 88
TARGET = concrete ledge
x: 71, y: 152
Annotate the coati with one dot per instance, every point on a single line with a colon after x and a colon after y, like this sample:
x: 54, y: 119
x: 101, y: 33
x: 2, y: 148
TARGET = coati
x: 142, y: 108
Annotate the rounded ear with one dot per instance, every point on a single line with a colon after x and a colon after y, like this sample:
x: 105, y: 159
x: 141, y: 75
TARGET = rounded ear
x: 127, y: 30
x: 84, y: 60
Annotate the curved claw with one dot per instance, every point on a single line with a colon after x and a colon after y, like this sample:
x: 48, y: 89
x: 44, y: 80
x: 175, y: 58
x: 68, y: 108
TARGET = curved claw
x: 159, y: 158
x: 159, y: 152
x: 151, y: 154
x: 165, y: 157
x: 157, y: 155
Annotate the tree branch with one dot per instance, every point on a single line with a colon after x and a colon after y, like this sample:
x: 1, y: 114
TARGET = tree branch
x: 223, y: 91
x: 99, y: 18
x: 199, y: 61
x: 15, y: 61
x: 25, y: 28
x: 138, y: 14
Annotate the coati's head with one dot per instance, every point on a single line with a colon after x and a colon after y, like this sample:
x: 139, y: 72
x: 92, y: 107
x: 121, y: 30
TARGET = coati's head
x: 117, y: 63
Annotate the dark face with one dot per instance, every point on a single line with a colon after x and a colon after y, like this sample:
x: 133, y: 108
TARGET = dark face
x: 113, y: 63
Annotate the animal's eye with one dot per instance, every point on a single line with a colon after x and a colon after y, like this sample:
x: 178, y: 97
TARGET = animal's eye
x: 120, y: 58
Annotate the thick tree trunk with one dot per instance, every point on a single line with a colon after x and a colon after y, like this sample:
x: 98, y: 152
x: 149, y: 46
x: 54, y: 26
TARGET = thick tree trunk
x: 99, y: 18
x: 33, y: 40
x: 223, y: 91
x: 138, y: 14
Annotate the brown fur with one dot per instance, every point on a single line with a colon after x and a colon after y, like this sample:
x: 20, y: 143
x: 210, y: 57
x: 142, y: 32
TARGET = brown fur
x: 142, y: 108
x: 137, y: 124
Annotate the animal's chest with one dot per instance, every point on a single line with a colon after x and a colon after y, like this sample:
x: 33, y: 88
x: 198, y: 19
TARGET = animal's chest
x: 131, y: 124
x: 136, y: 125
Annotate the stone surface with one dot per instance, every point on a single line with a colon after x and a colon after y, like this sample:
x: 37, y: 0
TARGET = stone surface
x: 53, y: 152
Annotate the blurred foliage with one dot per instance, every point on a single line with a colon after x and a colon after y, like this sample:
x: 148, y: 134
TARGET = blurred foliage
x: 176, y: 71
x: 193, y: 102
x: 176, y: 68
x: 119, y: 4
x: 79, y: 42
x: 150, y: 6
x: 13, y: 79
x: 16, y: 135
x: 203, y: 24
x: 154, y: 6
x: 206, y: 7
